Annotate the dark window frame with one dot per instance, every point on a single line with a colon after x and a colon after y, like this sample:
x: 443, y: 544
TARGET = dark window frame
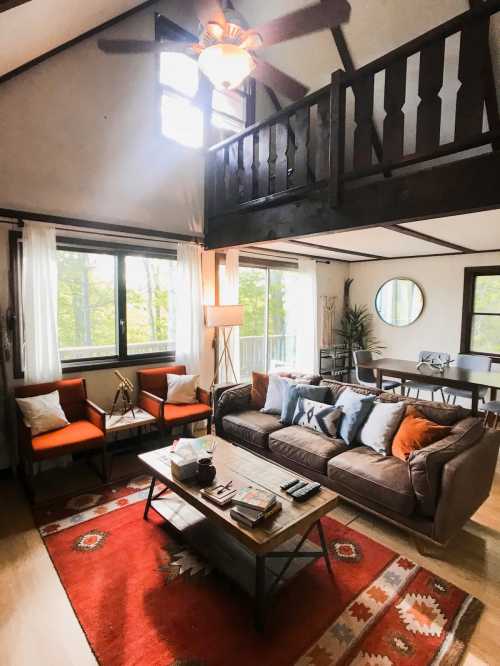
x: 120, y: 251
x: 470, y: 275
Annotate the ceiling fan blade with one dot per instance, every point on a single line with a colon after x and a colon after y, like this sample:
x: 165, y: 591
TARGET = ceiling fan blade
x: 142, y: 46
x: 209, y: 10
x: 327, y: 14
x: 278, y: 80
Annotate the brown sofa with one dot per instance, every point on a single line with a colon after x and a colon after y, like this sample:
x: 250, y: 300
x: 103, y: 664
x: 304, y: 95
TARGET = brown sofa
x: 431, y: 495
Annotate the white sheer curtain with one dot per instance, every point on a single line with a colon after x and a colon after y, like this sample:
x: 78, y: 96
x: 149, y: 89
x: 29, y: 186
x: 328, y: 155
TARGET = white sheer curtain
x: 42, y: 362
x: 230, y: 295
x: 306, y: 303
x: 189, y: 308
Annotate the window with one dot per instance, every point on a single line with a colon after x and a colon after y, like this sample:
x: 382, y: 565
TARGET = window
x: 481, y: 311
x: 181, y: 104
x: 268, y: 335
x: 115, y: 306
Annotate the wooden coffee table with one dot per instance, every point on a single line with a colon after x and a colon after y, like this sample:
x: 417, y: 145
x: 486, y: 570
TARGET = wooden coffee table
x: 260, y: 559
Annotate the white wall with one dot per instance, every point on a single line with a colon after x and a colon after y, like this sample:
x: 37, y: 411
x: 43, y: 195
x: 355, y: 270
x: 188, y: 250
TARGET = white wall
x: 81, y: 137
x: 441, y: 280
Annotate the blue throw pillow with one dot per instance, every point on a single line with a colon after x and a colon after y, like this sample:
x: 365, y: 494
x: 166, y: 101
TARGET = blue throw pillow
x: 291, y: 394
x: 355, y: 408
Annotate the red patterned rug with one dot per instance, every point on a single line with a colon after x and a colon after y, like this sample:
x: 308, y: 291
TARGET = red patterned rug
x: 142, y: 598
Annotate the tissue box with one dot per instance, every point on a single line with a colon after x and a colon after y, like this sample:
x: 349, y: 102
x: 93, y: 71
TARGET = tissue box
x: 183, y: 468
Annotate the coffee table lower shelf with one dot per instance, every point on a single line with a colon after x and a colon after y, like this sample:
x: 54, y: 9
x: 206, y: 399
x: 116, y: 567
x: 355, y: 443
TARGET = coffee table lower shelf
x: 260, y: 576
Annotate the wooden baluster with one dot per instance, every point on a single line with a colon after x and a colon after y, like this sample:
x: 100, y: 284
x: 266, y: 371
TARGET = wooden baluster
x: 363, y: 115
x: 302, y: 121
x: 394, y: 121
x: 233, y: 176
x: 337, y: 136
x: 220, y: 179
x: 470, y: 97
x: 429, y: 86
x: 264, y: 151
x: 248, y: 151
x: 323, y: 139
x: 281, y: 164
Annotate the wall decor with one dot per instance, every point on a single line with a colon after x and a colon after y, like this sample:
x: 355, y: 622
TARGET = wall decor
x: 399, y: 302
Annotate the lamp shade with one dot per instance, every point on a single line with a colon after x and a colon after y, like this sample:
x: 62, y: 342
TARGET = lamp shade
x: 218, y: 316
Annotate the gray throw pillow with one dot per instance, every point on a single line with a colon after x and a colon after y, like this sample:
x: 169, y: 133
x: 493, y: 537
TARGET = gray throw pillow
x: 292, y: 392
x: 317, y: 416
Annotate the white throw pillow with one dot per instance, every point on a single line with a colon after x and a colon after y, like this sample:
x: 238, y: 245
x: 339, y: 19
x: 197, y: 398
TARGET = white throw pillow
x: 381, y: 425
x: 274, y: 396
x: 42, y: 413
x: 181, y: 389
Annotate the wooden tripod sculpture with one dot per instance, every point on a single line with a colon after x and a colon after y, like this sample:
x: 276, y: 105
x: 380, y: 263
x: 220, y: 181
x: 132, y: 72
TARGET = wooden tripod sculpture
x: 124, y: 391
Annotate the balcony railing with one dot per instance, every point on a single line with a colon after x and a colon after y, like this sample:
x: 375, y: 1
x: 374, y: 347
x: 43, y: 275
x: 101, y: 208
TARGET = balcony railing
x: 106, y: 351
x: 303, y: 147
x: 280, y: 352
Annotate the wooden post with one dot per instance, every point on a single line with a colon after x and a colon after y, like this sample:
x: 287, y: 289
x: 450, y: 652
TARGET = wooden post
x: 337, y: 136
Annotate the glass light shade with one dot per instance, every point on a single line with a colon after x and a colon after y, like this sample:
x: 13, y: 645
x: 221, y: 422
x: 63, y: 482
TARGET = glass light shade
x: 218, y: 316
x: 226, y: 65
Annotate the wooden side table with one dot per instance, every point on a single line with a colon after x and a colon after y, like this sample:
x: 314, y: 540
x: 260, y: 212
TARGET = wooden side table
x: 123, y: 422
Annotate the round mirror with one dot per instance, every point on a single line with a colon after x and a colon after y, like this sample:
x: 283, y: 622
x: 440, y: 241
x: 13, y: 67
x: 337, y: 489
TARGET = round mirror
x: 399, y: 302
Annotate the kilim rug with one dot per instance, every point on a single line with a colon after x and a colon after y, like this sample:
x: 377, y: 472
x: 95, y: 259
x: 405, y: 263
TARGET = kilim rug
x: 143, y: 598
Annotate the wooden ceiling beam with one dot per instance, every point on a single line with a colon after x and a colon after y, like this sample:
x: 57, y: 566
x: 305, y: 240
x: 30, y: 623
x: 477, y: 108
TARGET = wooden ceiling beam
x: 328, y: 248
x: 427, y: 238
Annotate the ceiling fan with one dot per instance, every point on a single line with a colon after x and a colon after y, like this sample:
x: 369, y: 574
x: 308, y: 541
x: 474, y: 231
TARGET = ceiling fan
x: 227, y: 48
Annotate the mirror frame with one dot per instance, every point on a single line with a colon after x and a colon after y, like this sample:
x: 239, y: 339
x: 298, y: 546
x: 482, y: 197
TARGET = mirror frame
x: 407, y: 279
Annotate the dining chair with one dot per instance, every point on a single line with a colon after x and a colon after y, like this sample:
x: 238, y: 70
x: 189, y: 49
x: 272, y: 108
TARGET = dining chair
x: 366, y: 376
x: 427, y: 357
x: 475, y: 363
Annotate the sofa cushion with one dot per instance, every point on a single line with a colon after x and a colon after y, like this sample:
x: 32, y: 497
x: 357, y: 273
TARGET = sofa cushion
x: 258, y: 392
x: 380, y: 479
x: 74, y: 437
x: 176, y: 414
x: 250, y: 427
x: 416, y: 432
x: 305, y: 447
x: 291, y: 394
x: 426, y: 465
x: 317, y: 416
x: 380, y: 426
x: 355, y: 410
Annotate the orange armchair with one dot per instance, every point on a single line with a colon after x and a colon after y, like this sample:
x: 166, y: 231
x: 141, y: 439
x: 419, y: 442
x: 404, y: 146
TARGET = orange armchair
x: 85, y: 432
x: 153, y: 395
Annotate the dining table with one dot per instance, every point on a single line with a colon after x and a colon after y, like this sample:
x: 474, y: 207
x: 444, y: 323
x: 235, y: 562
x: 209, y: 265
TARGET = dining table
x: 450, y: 376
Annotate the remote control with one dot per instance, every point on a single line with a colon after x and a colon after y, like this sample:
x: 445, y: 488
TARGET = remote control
x: 296, y: 486
x: 289, y: 484
x: 306, y: 491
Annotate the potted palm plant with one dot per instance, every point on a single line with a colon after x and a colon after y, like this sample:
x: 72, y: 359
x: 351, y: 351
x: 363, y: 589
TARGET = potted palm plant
x: 356, y: 330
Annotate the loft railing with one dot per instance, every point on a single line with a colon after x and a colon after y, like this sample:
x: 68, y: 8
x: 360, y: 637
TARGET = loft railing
x: 303, y: 147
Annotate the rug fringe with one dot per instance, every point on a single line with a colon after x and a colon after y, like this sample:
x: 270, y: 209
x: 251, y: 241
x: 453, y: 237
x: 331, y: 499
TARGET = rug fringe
x: 464, y: 626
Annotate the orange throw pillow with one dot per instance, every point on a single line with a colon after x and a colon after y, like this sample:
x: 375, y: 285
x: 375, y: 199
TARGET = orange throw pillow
x: 258, y: 393
x: 415, y: 432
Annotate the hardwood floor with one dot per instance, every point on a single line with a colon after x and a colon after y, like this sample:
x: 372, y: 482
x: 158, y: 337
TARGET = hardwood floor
x: 38, y: 626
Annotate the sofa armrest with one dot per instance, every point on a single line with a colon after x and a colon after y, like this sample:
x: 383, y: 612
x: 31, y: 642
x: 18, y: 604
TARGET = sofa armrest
x: 203, y: 396
x: 466, y: 483
x: 151, y: 403
x: 95, y: 415
x: 235, y: 399
x: 426, y: 465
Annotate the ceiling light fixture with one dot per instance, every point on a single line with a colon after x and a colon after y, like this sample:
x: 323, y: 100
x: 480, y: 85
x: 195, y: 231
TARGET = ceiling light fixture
x: 226, y: 65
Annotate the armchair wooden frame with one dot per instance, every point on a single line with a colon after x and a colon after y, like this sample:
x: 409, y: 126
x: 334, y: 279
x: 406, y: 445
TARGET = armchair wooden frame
x: 79, y: 410
x: 153, y: 399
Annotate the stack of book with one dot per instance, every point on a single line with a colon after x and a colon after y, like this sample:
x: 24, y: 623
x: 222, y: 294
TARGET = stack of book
x: 254, y: 505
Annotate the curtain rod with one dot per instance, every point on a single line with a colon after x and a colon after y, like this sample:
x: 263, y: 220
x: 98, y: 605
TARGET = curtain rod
x: 90, y: 225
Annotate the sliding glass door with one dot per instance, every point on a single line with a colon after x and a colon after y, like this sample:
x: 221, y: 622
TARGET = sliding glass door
x: 267, y: 338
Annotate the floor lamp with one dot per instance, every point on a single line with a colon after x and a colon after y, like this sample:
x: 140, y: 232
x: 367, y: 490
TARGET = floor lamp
x: 224, y: 317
